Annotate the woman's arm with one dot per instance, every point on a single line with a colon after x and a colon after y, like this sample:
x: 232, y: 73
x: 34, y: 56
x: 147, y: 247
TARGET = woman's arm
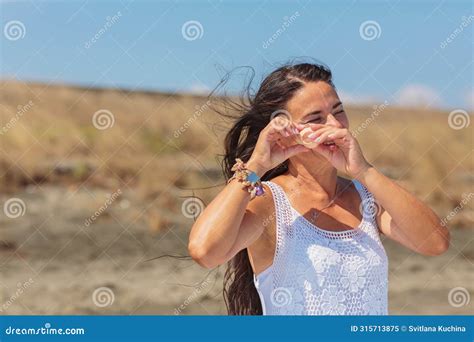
x: 403, y: 217
x: 230, y: 223
x: 226, y: 226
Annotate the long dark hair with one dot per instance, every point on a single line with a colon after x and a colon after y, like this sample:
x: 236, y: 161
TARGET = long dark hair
x: 254, y: 112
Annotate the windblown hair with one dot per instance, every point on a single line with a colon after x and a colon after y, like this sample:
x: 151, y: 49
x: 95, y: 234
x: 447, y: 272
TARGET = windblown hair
x: 254, y: 114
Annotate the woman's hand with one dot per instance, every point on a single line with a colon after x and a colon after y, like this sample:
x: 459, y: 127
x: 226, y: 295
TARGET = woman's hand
x: 346, y: 155
x: 276, y: 143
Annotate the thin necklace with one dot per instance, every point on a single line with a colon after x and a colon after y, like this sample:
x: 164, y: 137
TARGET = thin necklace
x: 315, y: 215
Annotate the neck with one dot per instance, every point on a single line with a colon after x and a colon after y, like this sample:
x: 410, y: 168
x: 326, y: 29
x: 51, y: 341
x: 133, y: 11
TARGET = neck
x: 321, y: 180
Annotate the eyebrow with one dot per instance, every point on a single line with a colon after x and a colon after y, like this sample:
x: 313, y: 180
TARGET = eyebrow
x: 316, y: 112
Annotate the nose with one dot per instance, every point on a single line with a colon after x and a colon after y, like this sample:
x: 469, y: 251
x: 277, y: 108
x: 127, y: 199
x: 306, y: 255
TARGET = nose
x: 332, y: 121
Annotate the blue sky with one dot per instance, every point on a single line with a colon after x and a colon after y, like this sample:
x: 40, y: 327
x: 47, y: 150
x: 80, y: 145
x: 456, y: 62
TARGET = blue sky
x: 404, y: 56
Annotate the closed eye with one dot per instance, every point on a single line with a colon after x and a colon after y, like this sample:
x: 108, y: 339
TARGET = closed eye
x: 318, y: 119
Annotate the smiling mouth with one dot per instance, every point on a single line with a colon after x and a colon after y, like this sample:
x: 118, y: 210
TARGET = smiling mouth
x: 329, y: 143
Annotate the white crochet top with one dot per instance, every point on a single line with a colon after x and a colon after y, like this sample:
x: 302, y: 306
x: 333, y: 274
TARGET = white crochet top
x: 321, y: 272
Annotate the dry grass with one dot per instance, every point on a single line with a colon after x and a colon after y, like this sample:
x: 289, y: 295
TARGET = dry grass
x: 54, y: 141
x: 64, y: 168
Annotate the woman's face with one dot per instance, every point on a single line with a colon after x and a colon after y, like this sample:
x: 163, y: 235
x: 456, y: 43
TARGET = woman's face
x: 317, y: 103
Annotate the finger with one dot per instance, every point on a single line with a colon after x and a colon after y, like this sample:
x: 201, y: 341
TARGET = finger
x: 293, y: 150
x: 324, y: 137
x: 291, y: 139
x: 292, y: 129
x: 315, y: 135
x: 341, y: 137
x: 314, y: 126
x: 289, y: 134
x: 274, y: 136
x: 289, y: 131
x: 299, y: 126
x: 274, y: 132
x: 339, y: 141
x: 330, y: 134
x: 280, y: 144
x: 275, y: 125
x: 339, y: 133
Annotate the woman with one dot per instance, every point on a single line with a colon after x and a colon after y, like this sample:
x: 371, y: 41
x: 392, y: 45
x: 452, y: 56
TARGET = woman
x: 298, y: 238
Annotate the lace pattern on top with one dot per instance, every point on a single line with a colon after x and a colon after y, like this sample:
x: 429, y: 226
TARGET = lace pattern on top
x: 321, y: 272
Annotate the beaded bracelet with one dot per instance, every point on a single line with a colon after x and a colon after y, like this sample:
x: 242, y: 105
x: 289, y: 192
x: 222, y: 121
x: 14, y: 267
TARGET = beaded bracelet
x: 251, y: 181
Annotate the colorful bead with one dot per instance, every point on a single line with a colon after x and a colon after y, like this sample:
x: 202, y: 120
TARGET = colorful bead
x: 250, y: 179
x: 259, y: 191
